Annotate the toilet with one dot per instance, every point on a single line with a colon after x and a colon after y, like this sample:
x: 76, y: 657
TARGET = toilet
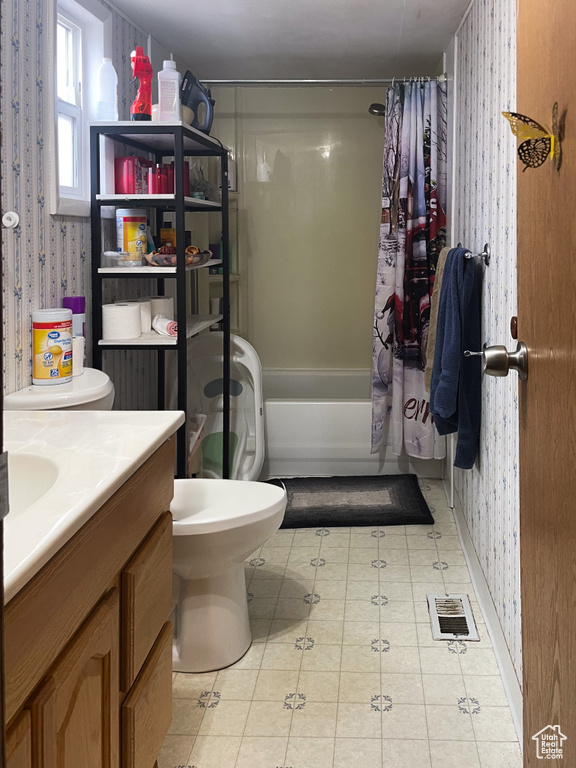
x: 217, y: 525
x: 91, y: 391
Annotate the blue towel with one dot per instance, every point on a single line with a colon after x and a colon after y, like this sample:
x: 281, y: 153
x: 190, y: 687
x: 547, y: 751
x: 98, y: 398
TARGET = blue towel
x: 456, y: 385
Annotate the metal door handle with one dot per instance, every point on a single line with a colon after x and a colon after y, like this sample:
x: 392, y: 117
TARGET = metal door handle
x: 498, y: 361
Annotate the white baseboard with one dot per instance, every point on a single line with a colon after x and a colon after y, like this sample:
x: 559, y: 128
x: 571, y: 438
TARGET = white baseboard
x: 507, y: 671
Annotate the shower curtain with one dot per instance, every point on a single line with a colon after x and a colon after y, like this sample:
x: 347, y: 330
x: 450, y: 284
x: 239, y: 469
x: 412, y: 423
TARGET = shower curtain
x: 412, y: 233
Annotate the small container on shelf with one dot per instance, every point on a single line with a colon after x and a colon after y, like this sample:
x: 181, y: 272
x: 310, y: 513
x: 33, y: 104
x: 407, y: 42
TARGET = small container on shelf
x: 168, y: 235
x: 131, y: 174
x: 120, y: 259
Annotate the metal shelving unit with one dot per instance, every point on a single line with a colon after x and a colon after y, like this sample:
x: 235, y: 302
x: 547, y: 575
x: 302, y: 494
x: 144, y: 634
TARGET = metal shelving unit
x: 179, y: 141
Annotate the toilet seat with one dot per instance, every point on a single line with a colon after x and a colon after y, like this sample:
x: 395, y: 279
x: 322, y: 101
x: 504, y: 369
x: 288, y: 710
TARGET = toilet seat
x: 210, y: 505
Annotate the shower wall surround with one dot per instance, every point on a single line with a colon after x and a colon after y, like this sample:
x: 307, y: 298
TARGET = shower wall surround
x: 310, y: 180
x: 485, y: 210
x: 45, y: 257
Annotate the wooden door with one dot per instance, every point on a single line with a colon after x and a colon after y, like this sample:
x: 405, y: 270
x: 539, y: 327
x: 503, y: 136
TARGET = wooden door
x: 75, y: 714
x: 546, y: 36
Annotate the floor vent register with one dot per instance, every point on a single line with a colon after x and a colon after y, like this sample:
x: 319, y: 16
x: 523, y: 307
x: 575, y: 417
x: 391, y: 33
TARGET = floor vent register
x: 451, y: 618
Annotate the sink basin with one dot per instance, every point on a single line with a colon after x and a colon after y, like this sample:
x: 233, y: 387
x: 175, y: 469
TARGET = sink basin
x: 29, y: 478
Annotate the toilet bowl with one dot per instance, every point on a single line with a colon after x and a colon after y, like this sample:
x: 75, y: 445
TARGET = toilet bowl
x: 91, y: 391
x: 217, y: 524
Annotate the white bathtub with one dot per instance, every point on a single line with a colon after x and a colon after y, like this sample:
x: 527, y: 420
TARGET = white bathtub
x: 317, y: 423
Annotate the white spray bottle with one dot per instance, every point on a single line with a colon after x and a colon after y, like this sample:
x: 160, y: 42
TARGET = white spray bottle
x: 169, y: 107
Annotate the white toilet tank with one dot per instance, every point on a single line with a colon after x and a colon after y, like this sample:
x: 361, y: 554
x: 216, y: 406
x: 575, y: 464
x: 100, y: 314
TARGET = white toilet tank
x: 91, y: 391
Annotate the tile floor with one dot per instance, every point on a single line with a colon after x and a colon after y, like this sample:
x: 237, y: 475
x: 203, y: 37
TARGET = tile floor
x: 343, y: 670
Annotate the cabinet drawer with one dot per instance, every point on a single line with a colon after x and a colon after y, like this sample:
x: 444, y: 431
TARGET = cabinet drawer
x: 147, y: 710
x: 146, y: 598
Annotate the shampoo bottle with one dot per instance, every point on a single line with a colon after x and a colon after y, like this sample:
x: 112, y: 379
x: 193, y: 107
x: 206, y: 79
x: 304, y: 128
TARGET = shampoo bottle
x: 169, y: 109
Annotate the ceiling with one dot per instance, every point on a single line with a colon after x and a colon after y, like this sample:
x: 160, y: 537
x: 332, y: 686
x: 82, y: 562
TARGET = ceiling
x: 301, y: 39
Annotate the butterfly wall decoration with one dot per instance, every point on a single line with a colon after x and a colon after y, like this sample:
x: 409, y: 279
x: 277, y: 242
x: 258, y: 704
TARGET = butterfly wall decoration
x: 538, y: 142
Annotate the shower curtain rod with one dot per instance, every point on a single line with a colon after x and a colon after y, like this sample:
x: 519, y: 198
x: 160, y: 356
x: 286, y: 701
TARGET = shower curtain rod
x: 367, y: 82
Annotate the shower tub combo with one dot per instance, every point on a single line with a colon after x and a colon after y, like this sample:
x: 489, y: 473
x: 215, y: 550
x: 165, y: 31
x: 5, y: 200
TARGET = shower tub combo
x: 318, y: 423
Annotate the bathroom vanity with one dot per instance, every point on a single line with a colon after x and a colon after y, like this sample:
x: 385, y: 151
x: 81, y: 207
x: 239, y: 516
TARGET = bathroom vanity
x: 88, y: 642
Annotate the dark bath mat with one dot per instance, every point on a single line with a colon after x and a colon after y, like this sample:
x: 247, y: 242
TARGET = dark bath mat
x: 322, y: 502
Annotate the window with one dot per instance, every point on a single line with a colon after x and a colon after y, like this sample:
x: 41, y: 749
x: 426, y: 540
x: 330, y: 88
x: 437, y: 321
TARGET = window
x: 76, y: 53
x: 69, y: 105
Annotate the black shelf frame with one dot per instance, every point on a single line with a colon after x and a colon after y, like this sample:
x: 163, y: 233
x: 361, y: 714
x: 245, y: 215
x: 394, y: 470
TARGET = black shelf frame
x: 179, y: 141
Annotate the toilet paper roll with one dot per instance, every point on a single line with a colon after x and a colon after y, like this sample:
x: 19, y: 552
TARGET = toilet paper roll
x: 145, y: 313
x: 121, y: 321
x: 162, y: 305
x: 78, y: 344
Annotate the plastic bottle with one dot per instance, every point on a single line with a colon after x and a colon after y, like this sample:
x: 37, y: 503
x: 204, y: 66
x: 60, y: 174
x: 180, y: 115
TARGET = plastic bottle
x: 131, y: 238
x: 169, y: 108
x: 141, y: 108
x: 78, y: 306
x: 107, y: 103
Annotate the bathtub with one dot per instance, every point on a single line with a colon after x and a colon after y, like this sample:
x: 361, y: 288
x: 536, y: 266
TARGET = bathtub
x: 317, y: 423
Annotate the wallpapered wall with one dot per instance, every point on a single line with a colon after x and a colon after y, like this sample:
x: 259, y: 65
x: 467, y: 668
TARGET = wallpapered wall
x: 485, y: 211
x: 47, y: 257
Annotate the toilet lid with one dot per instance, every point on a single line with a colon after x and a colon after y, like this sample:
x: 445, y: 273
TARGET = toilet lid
x: 206, y: 506
x: 91, y: 385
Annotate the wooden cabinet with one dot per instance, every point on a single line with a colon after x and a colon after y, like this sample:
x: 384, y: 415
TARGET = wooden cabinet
x: 88, y: 642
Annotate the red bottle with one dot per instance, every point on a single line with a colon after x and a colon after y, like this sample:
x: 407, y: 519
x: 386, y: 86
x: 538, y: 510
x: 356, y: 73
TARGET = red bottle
x: 152, y: 187
x: 169, y: 178
x: 141, y: 108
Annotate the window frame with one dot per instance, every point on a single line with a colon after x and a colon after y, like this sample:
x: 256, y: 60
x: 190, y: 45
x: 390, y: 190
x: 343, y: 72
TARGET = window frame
x: 94, y: 22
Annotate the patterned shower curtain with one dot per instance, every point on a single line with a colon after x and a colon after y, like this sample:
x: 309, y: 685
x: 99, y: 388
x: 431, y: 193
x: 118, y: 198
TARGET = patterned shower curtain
x: 412, y: 233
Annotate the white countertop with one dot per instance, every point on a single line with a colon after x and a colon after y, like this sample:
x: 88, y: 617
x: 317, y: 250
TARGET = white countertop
x: 96, y: 452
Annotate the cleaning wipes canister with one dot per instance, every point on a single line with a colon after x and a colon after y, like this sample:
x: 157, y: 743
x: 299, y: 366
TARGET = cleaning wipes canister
x: 131, y: 234
x: 51, y: 346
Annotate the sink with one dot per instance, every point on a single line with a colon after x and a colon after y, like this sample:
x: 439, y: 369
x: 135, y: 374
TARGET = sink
x: 29, y: 478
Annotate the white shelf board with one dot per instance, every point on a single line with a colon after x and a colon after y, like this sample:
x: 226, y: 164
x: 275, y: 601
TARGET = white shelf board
x: 158, y: 271
x: 163, y: 140
x: 168, y: 199
x: 194, y: 324
x: 197, y: 323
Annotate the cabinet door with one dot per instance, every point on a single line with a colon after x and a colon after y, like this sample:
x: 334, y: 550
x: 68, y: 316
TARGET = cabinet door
x: 147, y: 710
x: 19, y: 742
x: 146, y: 598
x: 75, y: 715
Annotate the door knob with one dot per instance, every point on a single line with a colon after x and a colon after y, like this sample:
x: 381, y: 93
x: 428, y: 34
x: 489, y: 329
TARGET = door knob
x: 497, y: 361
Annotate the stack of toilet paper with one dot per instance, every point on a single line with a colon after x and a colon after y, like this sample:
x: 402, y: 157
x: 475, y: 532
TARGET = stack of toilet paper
x: 131, y: 318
